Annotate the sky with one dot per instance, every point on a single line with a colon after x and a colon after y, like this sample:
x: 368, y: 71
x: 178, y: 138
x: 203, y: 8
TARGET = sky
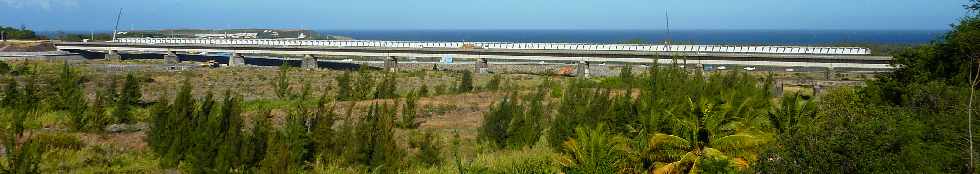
x: 99, y: 15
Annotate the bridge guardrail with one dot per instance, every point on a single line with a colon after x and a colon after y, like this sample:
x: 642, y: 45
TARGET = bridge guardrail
x: 515, y: 46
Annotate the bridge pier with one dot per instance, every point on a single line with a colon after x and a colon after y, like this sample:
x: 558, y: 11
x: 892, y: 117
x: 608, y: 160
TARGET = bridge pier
x: 113, y: 55
x: 829, y: 74
x: 170, y: 58
x: 236, y: 59
x: 391, y: 64
x: 309, y: 62
x: 482, y: 66
x: 582, y: 69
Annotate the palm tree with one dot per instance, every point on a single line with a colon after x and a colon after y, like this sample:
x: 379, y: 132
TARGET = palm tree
x: 712, y: 128
x: 792, y: 109
x: 595, y: 150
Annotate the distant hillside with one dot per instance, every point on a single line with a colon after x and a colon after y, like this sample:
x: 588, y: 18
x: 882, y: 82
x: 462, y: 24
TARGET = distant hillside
x: 235, y: 33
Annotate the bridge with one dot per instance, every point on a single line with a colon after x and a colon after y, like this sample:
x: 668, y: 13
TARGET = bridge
x: 484, y: 52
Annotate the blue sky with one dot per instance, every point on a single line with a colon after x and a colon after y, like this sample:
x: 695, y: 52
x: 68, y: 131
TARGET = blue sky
x: 85, y: 15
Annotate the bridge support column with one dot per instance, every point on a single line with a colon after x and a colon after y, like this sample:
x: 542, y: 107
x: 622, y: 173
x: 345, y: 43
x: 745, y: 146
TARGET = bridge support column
x: 113, y: 55
x: 391, y: 64
x: 170, y: 58
x: 829, y: 74
x: 309, y: 62
x: 236, y: 59
x: 482, y: 66
x: 582, y: 70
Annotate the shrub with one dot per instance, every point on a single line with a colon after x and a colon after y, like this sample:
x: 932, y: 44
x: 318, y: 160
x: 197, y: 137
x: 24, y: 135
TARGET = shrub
x: 494, y: 83
x: 58, y: 141
x: 129, y: 96
x: 387, y: 87
x: 376, y: 146
x: 496, y: 121
x: 344, y: 91
x: 71, y: 98
x: 364, y: 84
x: 282, y: 81
x: 430, y: 150
x: 409, y: 113
x: 465, y: 82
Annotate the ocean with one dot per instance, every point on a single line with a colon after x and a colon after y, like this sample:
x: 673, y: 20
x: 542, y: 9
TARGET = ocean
x: 742, y: 37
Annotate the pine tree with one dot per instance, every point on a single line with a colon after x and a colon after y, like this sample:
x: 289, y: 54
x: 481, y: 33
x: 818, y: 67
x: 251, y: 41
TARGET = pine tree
x: 408, y: 114
x: 387, y: 87
x: 376, y: 146
x: 497, y: 120
x: 256, y: 142
x: 363, y: 85
x: 181, y: 123
x: 71, y: 98
x: 11, y: 95
x: 287, y: 147
x: 282, y: 81
x: 465, y: 82
x: 128, y: 97
x: 326, y: 141
x: 96, y: 114
x: 423, y: 91
x: 344, y: 91
x: 229, y: 128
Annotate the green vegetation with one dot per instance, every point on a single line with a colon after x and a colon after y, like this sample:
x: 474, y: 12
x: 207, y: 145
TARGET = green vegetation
x: 21, y: 33
x: 917, y: 119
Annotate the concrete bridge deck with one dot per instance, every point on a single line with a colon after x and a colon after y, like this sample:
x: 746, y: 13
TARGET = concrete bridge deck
x: 849, y: 57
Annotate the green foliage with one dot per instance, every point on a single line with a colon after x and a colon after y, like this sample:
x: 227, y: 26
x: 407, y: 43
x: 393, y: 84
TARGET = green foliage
x: 514, y: 121
x: 423, y: 91
x: 594, y: 150
x: 387, y: 87
x: 282, y: 81
x: 23, y: 158
x: 375, y: 146
x: 849, y: 135
x: 429, y: 148
x: 4, y: 68
x: 363, y: 85
x: 496, y: 121
x: 22, y: 33
x: 57, y: 141
x: 344, y: 91
x: 287, y: 148
x: 626, y: 73
x: 128, y: 97
x: 409, y: 113
x: 465, y: 82
x: 256, y: 142
x: 327, y: 141
x: 494, y: 83
x: 96, y: 114
x: 70, y: 97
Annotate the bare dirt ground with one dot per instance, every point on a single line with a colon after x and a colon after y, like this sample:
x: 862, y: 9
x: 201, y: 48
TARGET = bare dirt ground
x: 26, y: 46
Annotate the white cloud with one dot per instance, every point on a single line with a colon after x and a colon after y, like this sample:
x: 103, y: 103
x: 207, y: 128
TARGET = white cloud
x: 43, y: 4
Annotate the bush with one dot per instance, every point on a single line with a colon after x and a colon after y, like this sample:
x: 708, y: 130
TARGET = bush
x: 465, y: 82
x: 282, y: 81
x: 409, y: 113
x: 129, y: 97
x: 430, y: 149
x: 344, y: 91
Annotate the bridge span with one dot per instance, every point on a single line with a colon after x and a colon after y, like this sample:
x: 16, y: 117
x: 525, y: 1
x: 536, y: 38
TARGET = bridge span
x: 482, y: 52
